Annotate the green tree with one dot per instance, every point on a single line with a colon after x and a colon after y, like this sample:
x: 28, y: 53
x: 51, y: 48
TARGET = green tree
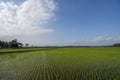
x: 116, y: 44
x: 20, y: 45
x: 26, y: 45
x: 15, y: 44
x: 4, y: 44
x: 12, y: 44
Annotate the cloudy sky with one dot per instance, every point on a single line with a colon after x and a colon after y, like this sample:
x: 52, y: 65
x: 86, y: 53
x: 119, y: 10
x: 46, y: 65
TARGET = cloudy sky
x: 60, y: 22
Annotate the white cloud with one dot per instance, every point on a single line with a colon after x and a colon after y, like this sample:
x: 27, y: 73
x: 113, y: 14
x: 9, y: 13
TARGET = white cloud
x: 102, y: 40
x: 28, y: 18
x: 94, y: 41
x: 105, y: 39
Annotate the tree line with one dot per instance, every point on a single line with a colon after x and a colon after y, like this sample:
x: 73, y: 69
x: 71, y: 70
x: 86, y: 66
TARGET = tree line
x: 11, y: 44
x: 116, y: 44
x: 15, y: 44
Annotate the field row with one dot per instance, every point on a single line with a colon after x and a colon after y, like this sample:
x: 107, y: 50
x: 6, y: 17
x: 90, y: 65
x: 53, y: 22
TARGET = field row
x: 49, y: 65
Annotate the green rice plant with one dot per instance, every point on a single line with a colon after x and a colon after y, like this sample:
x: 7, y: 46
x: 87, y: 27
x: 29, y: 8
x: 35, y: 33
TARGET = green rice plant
x: 95, y: 63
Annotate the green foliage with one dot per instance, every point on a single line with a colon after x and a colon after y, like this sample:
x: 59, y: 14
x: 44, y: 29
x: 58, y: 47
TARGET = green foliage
x: 95, y: 63
x: 26, y: 45
x: 116, y: 44
x: 12, y: 44
x: 4, y: 44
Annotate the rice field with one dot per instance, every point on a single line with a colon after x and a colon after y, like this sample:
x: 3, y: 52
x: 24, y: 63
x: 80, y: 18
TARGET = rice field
x: 94, y: 63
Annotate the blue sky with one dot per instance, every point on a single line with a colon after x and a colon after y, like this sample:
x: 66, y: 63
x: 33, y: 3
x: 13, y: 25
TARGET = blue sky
x: 89, y: 18
x: 71, y: 22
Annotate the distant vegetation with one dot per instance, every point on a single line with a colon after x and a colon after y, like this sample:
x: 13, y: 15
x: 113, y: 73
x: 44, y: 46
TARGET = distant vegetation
x: 11, y: 44
x: 15, y: 44
x: 116, y: 44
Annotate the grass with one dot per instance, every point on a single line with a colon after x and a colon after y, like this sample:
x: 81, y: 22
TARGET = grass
x: 94, y: 63
x: 19, y: 50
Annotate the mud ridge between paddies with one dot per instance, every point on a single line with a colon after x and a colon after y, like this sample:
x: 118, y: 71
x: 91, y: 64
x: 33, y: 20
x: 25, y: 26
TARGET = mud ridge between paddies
x: 23, y: 50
